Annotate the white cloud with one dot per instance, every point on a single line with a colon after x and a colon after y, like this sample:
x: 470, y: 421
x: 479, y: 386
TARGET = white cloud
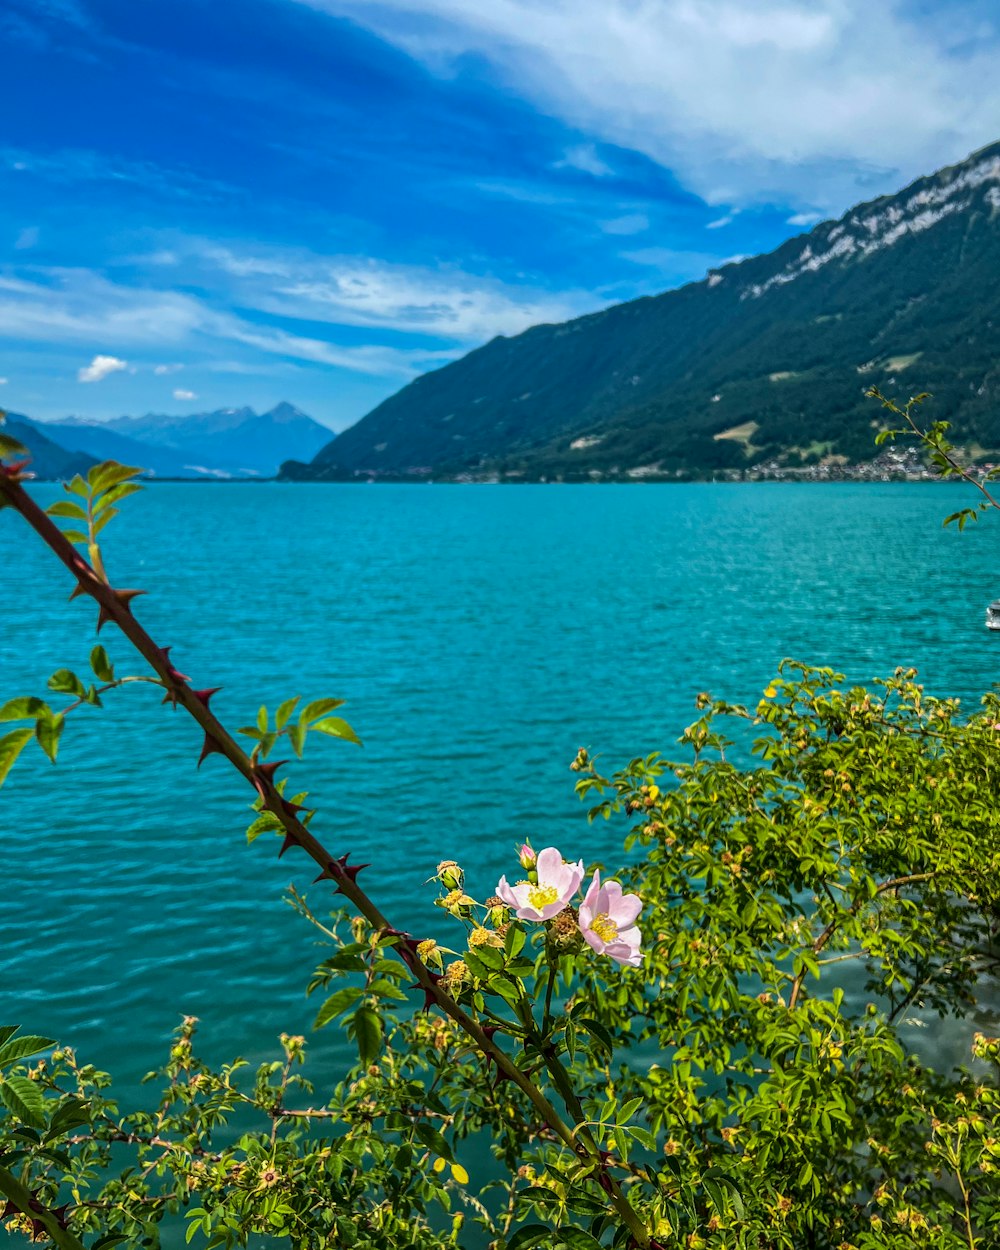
x: 444, y: 302
x: 584, y: 157
x: 630, y: 223
x: 27, y: 238
x: 163, y: 370
x: 4, y: 381
x: 179, y: 394
x: 99, y: 368
x: 720, y: 222
x: 804, y: 219
x: 778, y: 100
x: 447, y: 310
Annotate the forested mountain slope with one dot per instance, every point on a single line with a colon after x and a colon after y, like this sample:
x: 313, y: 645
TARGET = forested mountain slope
x: 766, y: 358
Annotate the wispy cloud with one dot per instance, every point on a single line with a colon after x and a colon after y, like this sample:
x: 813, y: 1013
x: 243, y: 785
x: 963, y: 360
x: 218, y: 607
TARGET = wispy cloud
x: 69, y: 166
x: 444, y: 302
x: 776, y: 101
x: 804, y: 219
x: 163, y: 370
x: 71, y: 307
x: 583, y: 156
x: 100, y: 367
x: 186, y: 395
x: 629, y: 223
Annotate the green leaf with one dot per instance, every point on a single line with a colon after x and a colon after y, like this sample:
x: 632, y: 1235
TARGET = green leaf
x: 77, y: 486
x: 382, y: 987
x: 108, y: 515
x: 297, y: 738
x: 24, y: 1099
x: 103, y: 476
x: 262, y: 719
x: 626, y: 1112
x: 530, y: 1237
x: 69, y: 1115
x: 22, y: 1047
x: 643, y: 1136
x: 102, y: 667
x: 23, y: 708
x: 75, y: 536
x: 513, y: 942
x: 64, y: 681
x: 575, y: 1239
x: 48, y: 730
x: 263, y: 824
x: 368, y: 1034
x: 318, y: 707
x: 433, y: 1140
x: 11, y: 746
x: 598, y: 1032
x: 7, y: 1031
x: 67, y: 508
x: 336, y: 728
x: 284, y: 712
x: 116, y: 493
x: 337, y: 1003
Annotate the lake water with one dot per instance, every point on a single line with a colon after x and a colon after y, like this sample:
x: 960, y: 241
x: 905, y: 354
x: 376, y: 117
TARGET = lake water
x: 480, y: 635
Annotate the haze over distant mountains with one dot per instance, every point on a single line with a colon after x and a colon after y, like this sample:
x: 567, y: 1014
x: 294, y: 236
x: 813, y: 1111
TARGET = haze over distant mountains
x: 228, y: 443
x: 767, y: 359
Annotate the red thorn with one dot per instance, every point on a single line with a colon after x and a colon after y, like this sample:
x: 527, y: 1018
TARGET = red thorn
x: 13, y: 470
x: 346, y: 871
x: 77, y: 590
x: 328, y: 873
x: 203, y: 696
x: 338, y: 870
x: 209, y: 747
x: 290, y: 808
x: 268, y: 770
x: 290, y: 840
x: 103, y: 616
x: 125, y: 597
x: 430, y: 998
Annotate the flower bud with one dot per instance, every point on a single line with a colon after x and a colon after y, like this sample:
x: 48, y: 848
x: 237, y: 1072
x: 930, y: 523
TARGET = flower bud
x: 526, y: 855
x: 450, y: 874
x: 484, y: 937
x: 497, y: 911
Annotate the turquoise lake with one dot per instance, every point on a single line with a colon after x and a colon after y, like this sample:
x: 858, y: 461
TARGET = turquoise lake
x: 480, y: 636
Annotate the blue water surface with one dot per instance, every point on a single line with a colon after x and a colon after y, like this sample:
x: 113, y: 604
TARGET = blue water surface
x: 480, y: 636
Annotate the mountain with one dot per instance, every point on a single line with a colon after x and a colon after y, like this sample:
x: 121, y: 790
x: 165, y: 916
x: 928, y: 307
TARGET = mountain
x: 229, y: 443
x: 232, y: 440
x: 50, y: 462
x: 765, y: 359
x: 97, y: 442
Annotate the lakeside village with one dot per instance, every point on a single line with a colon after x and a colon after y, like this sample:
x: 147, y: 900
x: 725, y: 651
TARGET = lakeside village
x: 895, y: 464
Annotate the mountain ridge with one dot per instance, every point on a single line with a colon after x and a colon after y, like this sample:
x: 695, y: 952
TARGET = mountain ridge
x: 223, y: 443
x: 764, y: 359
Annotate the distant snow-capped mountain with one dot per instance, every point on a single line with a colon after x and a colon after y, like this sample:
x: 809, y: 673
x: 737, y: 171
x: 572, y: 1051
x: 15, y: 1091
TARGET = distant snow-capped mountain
x: 227, y: 443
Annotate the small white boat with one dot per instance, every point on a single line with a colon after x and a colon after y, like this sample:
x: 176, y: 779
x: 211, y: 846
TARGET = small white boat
x: 993, y: 615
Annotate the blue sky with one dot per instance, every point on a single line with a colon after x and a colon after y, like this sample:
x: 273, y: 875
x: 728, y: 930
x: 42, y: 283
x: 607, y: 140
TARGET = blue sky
x: 208, y: 204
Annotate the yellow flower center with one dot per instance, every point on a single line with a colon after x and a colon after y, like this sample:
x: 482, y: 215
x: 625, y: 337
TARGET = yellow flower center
x: 604, y: 927
x: 540, y: 896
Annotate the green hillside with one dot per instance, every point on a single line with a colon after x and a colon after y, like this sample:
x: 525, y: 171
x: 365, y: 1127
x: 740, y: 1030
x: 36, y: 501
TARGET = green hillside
x: 768, y: 358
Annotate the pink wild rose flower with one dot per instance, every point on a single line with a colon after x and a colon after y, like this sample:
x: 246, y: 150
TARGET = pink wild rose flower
x: 541, y: 900
x: 607, y: 922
